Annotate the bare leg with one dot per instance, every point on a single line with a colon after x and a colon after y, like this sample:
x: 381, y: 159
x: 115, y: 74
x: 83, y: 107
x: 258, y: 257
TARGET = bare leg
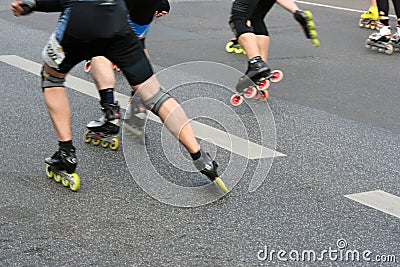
x: 56, y: 100
x: 103, y: 73
x: 171, y: 114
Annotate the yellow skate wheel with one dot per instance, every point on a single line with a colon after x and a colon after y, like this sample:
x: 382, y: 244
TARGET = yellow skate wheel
x: 229, y: 47
x: 239, y: 50
x: 96, y: 142
x: 315, y: 42
x: 58, y: 178
x: 311, y: 25
x: 221, y: 185
x: 308, y: 14
x: 76, y: 182
x: 389, y: 49
x: 313, y: 34
x: 86, y: 137
x: 105, y: 144
x: 114, y: 143
x: 65, y: 182
x: 49, y: 172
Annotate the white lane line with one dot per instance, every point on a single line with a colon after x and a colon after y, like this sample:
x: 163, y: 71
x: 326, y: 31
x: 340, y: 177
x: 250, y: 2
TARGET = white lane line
x: 379, y: 200
x: 220, y: 138
x: 336, y: 7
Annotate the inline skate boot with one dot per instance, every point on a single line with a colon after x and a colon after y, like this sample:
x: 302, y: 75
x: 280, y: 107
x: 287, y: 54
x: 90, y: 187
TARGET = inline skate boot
x: 104, y: 130
x: 395, y: 39
x: 208, y: 167
x: 369, y: 19
x: 234, y: 47
x: 259, y: 74
x: 135, y: 119
x: 61, y: 166
x: 305, y: 18
x: 380, y: 41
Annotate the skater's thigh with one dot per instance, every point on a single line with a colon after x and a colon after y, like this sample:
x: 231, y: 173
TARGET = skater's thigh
x: 127, y: 53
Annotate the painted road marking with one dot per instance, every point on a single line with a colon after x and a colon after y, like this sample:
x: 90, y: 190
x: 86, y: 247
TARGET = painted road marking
x: 379, y: 200
x: 334, y: 7
x: 220, y: 138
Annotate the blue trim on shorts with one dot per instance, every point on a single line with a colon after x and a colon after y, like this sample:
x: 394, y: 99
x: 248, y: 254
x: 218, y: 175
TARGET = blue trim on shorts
x: 140, y: 30
x: 62, y: 24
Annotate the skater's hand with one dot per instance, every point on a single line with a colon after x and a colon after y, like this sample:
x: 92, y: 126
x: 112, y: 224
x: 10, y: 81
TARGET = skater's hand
x: 160, y: 14
x: 20, y: 8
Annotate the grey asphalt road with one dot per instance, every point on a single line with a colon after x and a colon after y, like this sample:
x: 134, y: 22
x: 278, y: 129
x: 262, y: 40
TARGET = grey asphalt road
x: 334, y: 117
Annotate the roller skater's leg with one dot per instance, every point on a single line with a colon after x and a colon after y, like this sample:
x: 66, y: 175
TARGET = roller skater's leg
x: 135, y: 118
x: 63, y: 163
x: 207, y: 166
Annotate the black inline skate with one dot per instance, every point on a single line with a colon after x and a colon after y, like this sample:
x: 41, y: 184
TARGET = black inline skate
x: 259, y: 74
x: 305, y: 18
x: 104, y: 130
x: 135, y: 119
x: 208, y: 167
x: 380, y: 41
x: 61, y: 166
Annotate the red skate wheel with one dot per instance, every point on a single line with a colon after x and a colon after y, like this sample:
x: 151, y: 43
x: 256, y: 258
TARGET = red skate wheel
x: 278, y: 76
x: 263, y: 84
x: 236, y: 100
x: 250, y: 92
x: 87, y: 66
x: 264, y: 95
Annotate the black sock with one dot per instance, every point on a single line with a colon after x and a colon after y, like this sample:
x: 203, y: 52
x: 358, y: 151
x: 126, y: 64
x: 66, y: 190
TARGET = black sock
x: 66, y: 145
x: 196, y: 156
x: 107, y: 96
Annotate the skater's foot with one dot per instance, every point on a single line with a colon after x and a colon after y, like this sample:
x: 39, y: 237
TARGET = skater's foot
x: 110, y: 122
x: 308, y: 25
x: 135, y: 118
x: 372, y: 13
x: 383, y: 35
x: 63, y: 160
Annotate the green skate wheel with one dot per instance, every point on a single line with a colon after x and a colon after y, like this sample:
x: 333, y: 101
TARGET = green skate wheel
x: 105, y: 144
x: 308, y: 14
x: 75, y: 183
x: 96, y: 142
x: 65, y: 182
x: 315, y: 42
x: 58, y: 178
x: 221, y: 185
x: 49, y: 172
x: 114, y: 143
x: 229, y: 47
x: 86, y: 137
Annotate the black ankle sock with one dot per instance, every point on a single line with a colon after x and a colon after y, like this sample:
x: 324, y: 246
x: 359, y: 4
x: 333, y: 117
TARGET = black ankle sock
x: 107, y: 96
x: 196, y: 156
x: 66, y: 145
